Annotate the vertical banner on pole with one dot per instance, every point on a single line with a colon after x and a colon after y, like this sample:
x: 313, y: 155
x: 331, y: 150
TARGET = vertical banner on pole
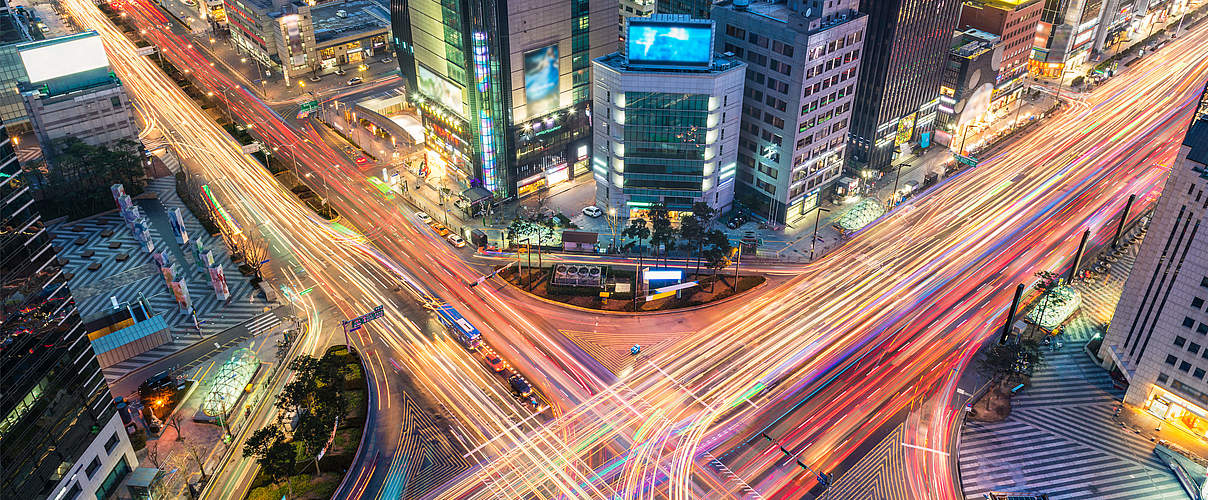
x: 118, y: 191
x: 218, y: 280
x: 180, y: 288
x: 178, y: 226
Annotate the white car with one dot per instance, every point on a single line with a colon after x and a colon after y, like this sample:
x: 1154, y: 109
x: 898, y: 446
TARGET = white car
x: 456, y: 240
x: 423, y: 216
x: 356, y: 80
x: 592, y: 211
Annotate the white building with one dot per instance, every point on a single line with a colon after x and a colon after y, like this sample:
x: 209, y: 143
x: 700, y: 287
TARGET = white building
x: 1159, y: 336
x: 666, y: 118
x: 73, y: 93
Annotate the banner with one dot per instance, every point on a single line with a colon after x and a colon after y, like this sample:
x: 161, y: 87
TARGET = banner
x: 541, y: 80
x: 218, y: 280
x: 178, y: 226
x: 118, y: 191
x: 180, y: 289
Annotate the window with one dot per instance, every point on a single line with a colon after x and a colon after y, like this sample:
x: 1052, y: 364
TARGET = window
x: 1199, y: 373
x: 1162, y: 378
x: 1180, y: 341
x: 1184, y: 367
x: 735, y: 32
x: 111, y: 444
x: 1201, y: 329
x: 117, y: 102
x: 1193, y: 348
x: 1197, y: 302
x: 93, y: 466
x: 1171, y: 360
x: 1204, y: 282
x: 1188, y: 322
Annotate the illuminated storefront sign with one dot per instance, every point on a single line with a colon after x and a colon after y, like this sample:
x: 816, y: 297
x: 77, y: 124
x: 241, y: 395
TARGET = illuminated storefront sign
x: 486, y: 125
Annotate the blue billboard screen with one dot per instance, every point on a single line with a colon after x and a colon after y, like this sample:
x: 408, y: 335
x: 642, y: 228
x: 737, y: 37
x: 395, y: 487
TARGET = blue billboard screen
x: 541, y: 80
x: 670, y: 44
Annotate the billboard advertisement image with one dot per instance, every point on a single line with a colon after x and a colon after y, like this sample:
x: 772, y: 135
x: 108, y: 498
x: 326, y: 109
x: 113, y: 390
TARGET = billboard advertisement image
x: 541, y: 80
x: 439, y: 90
x: 662, y: 43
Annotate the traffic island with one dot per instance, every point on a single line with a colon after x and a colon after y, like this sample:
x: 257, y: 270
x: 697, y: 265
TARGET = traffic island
x: 306, y: 453
x: 608, y: 296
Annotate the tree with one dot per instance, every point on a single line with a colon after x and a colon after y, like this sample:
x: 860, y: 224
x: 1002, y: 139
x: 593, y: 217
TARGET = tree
x: 258, y: 444
x: 1048, y: 281
x: 279, y: 462
x: 314, y: 430
x: 255, y: 254
x: 716, y: 251
x: 661, y: 234
x: 79, y: 175
x: 1010, y: 360
x: 153, y: 453
x: 174, y: 421
x: 694, y: 228
x: 636, y: 230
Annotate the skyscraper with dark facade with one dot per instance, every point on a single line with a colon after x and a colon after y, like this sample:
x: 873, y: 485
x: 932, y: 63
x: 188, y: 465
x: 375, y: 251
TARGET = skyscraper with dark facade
x: 60, y: 435
x: 695, y: 8
x: 504, y: 86
x: 897, y: 93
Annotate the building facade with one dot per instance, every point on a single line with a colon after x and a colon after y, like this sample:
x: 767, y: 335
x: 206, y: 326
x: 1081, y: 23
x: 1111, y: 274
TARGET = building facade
x: 1014, y: 22
x: 13, y: 32
x: 301, y: 39
x: 504, y: 89
x: 60, y: 434
x: 632, y: 8
x: 968, y: 87
x: 1064, y: 36
x: 898, y: 90
x: 85, y: 101
x: 666, y: 132
x: 695, y: 8
x: 1158, y: 336
x: 802, y: 68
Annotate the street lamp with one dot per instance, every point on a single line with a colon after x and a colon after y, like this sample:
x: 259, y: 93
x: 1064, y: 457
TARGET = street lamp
x: 612, y: 224
x: 814, y: 241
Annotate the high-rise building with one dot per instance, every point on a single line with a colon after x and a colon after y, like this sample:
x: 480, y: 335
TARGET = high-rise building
x: 60, y: 434
x: 504, y: 88
x: 632, y: 8
x: 898, y: 90
x: 13, y: 32
x: 1014, y: 21
x: 1117, y: 19
x: 667, y: 112
x: 695, y: 8
x: 803, y: 60
x: 1158, y: 338
x: 968, y: 85
x: 1064, y: 35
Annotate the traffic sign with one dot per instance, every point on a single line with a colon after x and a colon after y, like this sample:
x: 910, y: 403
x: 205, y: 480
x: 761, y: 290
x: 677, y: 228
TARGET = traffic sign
x: 310, y: 106
x: 355, y: 324
x: 967, y: 160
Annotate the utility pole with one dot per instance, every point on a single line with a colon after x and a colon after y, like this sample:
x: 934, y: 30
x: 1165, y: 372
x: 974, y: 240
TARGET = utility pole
x: 737, y: 263
x: 1006, y: 327
x: 815, y: 240
x: 1078, y: 256
x: 898, y: 177
x: 1123, y: 218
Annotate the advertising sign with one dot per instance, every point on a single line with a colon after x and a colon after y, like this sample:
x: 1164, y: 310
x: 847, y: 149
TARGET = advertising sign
x: 439, y: 90
x: 180, y: 289
x: 178, y: 226
x: 218, y: 280
x: 541, y: 80
x: 663, y: 43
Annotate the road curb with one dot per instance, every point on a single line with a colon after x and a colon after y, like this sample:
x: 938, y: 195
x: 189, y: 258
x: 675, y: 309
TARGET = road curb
x: 636, y: 313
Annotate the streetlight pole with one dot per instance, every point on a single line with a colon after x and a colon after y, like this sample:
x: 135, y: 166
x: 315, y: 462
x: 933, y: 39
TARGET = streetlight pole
x: 815, y: 239
x: 898, y: 177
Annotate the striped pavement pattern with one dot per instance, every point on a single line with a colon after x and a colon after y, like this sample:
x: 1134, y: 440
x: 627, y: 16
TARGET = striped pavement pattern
x: 611, y: 349
x: 181, y: 340
x: 879, y: 475
x: 426, y: 458
x: 1060, y: 439
x: 139, y: 275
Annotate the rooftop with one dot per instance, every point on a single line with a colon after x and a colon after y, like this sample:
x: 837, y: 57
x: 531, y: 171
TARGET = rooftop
x: 779, y: 11
x: 721, y: 62
x: 339, y: 19
x: 1197, y: 140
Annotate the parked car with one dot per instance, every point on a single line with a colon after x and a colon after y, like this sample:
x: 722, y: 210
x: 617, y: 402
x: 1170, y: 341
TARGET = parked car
x: 736, y: 221
x: 424, y: 217
x: 356, y: 80
x: 456, y: 240
x: 387, y: 59
x: 497, y: 363
x: 592, y: 211
x: 361, y: 160
x: 441, y: 229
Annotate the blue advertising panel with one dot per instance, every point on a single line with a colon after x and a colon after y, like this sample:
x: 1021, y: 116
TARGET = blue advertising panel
x: 440, y: 90
x: 662, y: 43
x: 541, y: 80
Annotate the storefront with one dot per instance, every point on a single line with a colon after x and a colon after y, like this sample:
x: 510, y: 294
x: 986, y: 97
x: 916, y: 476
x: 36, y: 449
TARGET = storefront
x: 1178, y: 411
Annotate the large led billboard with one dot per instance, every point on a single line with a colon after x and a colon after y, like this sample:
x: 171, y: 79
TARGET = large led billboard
x: 670, y: 44
x: 541, y: 80
x: 67, y: 56
x: 440, y: 90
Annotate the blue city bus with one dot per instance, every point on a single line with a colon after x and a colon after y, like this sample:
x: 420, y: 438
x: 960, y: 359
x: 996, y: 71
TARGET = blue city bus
x: 462, y: 329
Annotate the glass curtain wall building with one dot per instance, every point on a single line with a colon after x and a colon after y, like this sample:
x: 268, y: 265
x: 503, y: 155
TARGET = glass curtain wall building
x: 503, y: 86
x: 898, y: 92
x: 57, y: 416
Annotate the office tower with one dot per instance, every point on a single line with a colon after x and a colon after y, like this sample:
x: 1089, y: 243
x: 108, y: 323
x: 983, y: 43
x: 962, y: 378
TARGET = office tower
x: 1158, y: 338
x: 13, y: 31
x: 1116, y: 20
x: 504, y: 87
x: 898, y: 90
x: 60, y: 434
x: 968, y: 85
x: 1064, y: 36
x: 632, y: 8
x: 667, y: 112
x: 695, y: 8
x: 802, y: 67
x: 1014, y: 21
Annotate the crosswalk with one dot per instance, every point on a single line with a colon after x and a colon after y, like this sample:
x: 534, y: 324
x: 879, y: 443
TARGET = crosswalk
x: 426, y: 457
x: 182, y: 339
x: 1061, y: 439
x: 99, y: 240
x: 879, y: 475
